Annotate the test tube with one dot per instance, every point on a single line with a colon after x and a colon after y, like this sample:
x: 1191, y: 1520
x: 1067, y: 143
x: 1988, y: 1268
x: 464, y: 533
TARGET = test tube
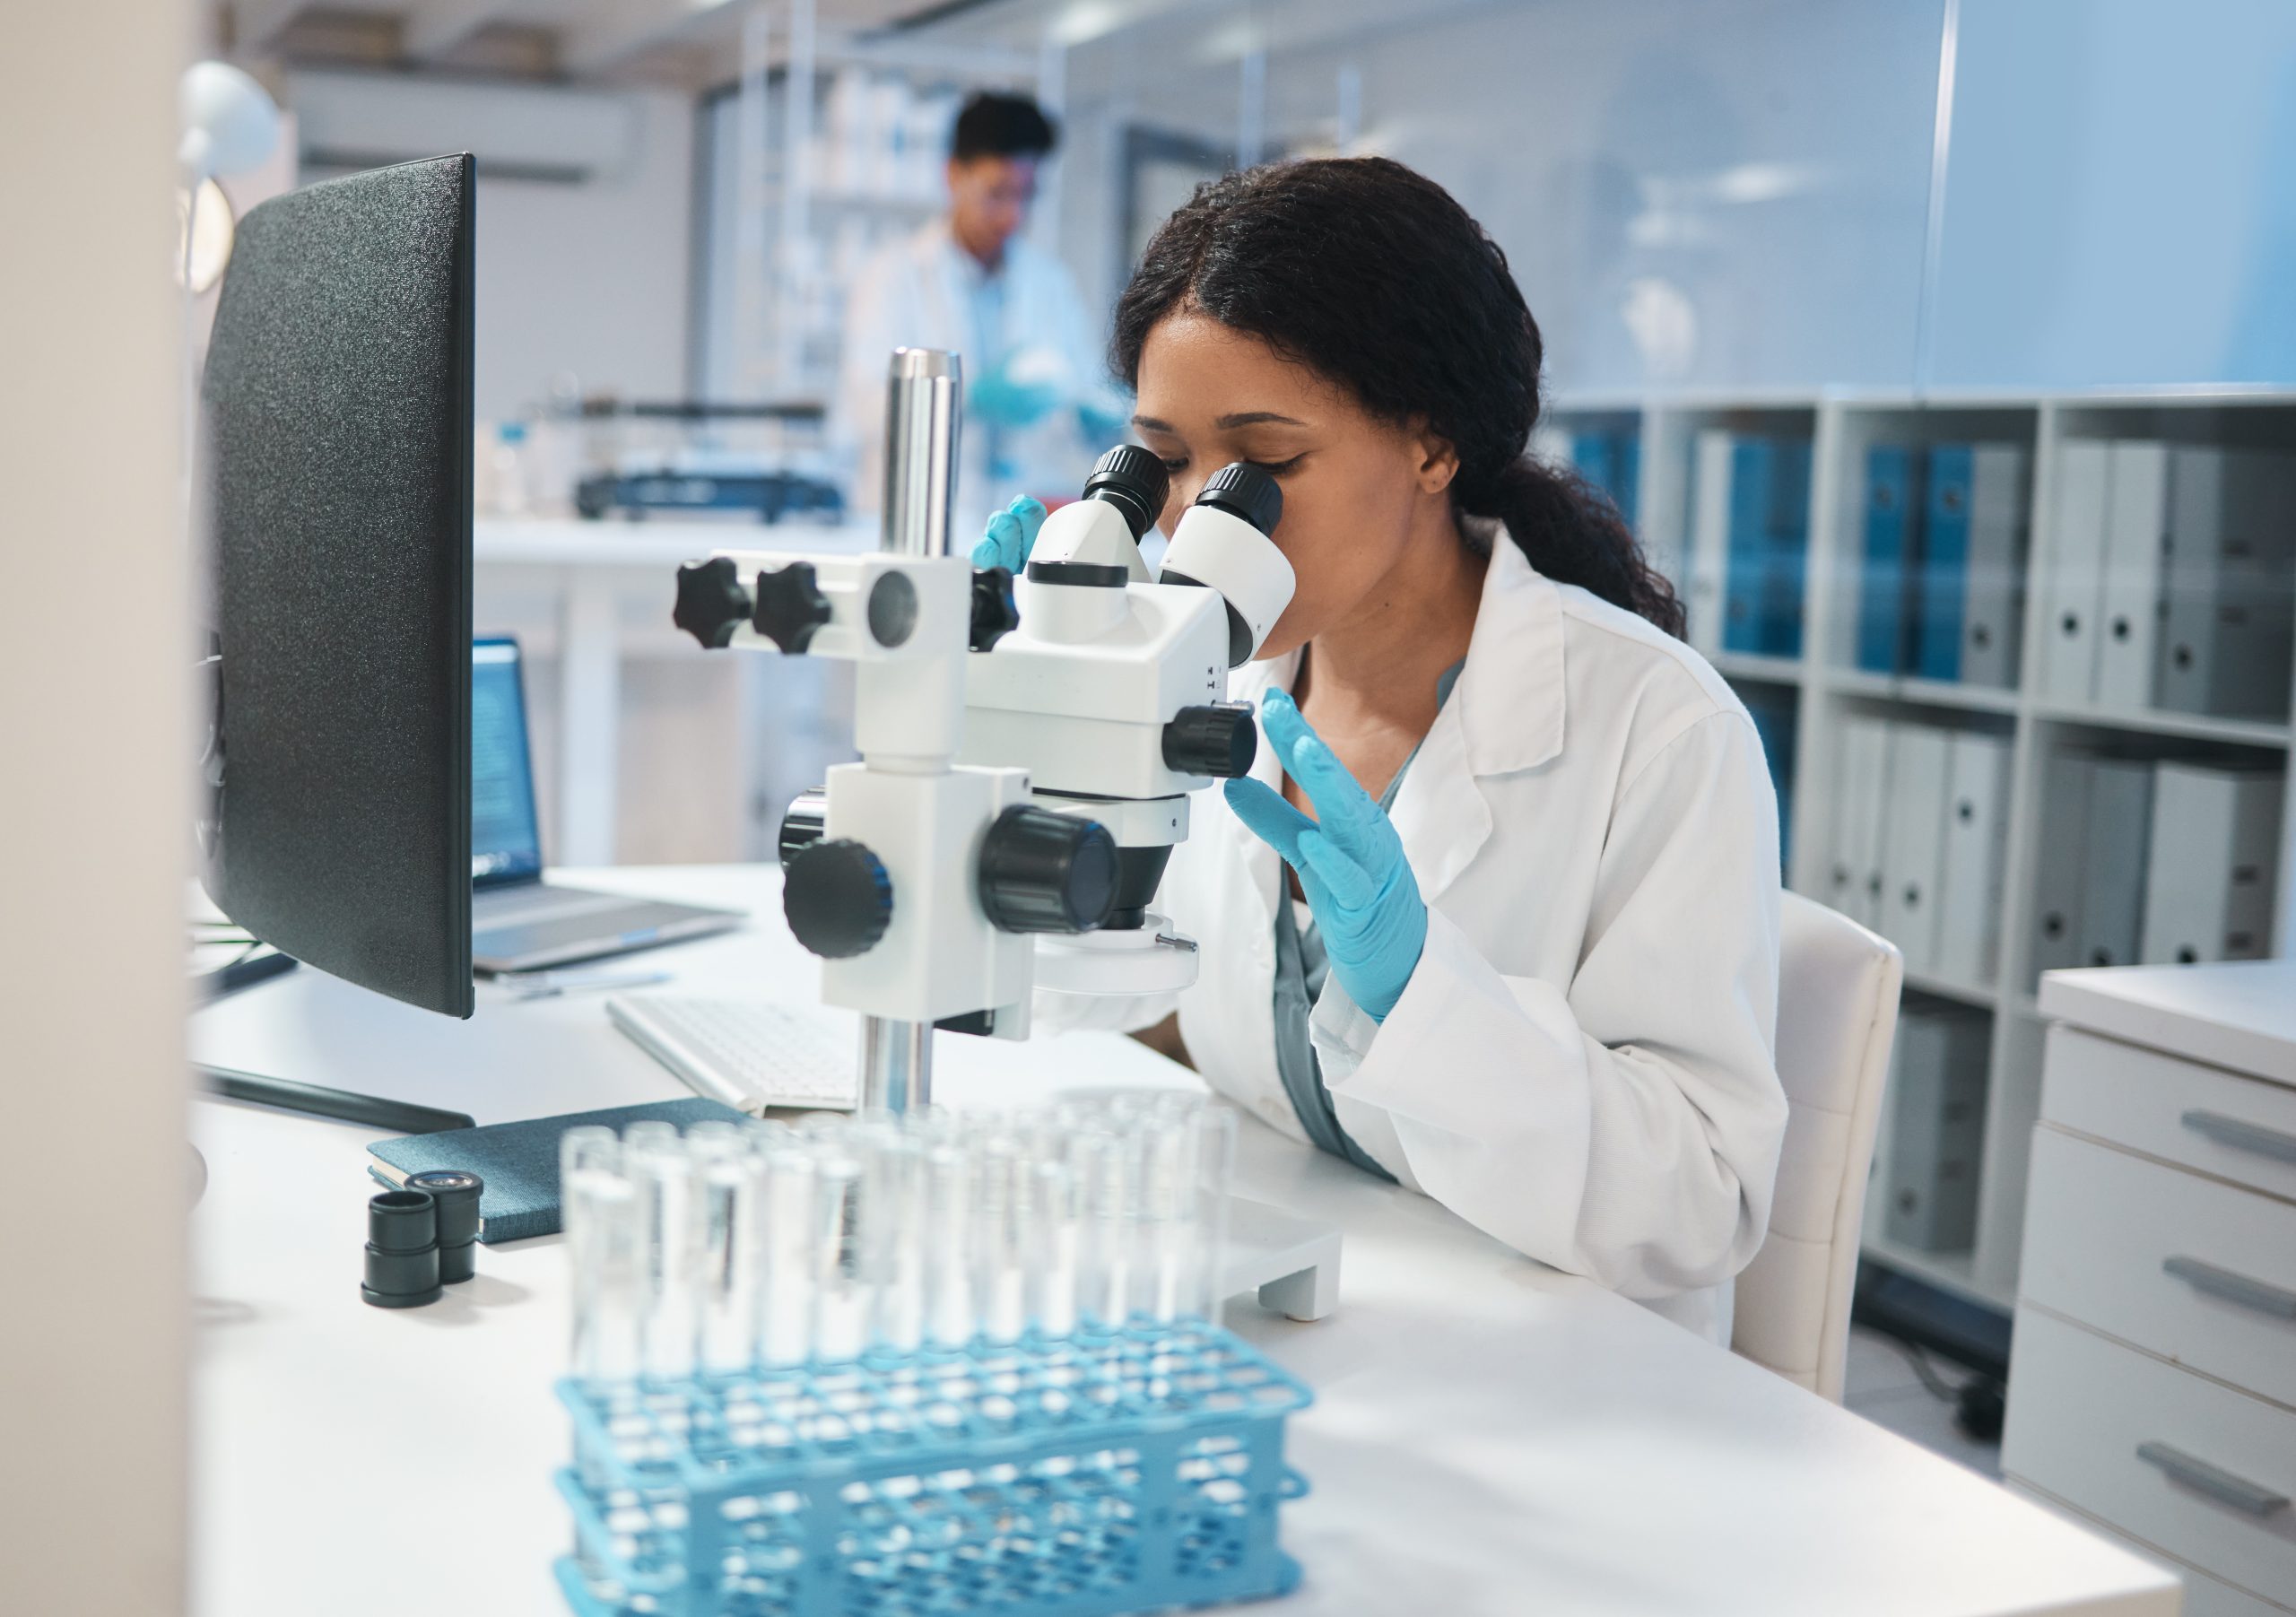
x: 1055, y: 1234
x: 1215, y: 1171
x: 600, y: 1210
x: 1167, y: 1213
x: 892, y: 1232
x: 951, y: 1317
x: 1000, y: 1241
x: 669, y: 1237
x: 732, y: 1188
x: 1106, y: 1167
x: 786, y: 1290
x: 841, y: 1292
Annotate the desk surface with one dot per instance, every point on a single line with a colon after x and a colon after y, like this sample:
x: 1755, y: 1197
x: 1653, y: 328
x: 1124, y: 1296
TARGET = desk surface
x: 2235, y: 1013
x: 1490, y: 1437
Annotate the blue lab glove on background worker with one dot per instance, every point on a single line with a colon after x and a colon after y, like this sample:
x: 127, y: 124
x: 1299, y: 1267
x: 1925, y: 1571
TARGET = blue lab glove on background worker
x: 1002, y: 401
x: 1012, y: 534
x: 1350, y: 859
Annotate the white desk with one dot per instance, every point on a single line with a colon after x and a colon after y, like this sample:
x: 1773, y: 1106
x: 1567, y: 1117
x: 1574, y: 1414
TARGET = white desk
x: 1490, y: 1437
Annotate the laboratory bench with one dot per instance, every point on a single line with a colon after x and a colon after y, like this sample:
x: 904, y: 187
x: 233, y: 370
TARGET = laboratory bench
x: 1488, y: 1436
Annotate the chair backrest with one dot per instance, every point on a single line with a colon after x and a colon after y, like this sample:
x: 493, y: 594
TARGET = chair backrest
x: 1836, y: 1012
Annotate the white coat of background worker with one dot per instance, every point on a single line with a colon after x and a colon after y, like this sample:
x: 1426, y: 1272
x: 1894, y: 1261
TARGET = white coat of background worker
x: 1037, y: 408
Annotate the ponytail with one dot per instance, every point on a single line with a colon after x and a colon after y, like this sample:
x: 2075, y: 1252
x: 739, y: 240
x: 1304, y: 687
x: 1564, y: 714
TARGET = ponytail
x: 1572, y: 533
x: 1375, y: 277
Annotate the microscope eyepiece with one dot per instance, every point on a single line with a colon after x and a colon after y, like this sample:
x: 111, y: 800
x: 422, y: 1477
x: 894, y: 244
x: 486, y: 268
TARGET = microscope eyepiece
x: 1134, y: 480
x: 1245, y: 490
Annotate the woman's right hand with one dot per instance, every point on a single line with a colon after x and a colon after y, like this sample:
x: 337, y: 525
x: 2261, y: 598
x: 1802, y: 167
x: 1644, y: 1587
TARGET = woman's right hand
x: 1012, y: 534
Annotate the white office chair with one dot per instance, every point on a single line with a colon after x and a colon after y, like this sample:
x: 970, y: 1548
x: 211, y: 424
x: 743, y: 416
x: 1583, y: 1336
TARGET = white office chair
x: 1836, y: 1012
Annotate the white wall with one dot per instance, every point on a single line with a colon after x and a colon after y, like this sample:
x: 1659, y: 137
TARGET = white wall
x: 588, y: 279
x: 95, y: 752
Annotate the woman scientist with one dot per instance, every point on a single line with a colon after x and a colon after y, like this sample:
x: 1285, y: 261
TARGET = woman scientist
x: 1525, y: 957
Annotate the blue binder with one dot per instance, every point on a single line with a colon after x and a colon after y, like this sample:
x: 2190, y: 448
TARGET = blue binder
x: 1788, y: 552
x: 1630, y: 476
x: 1746, y: 566
x: 1885, y: 575
x: 1943, y: 595
x: 1613, y: 463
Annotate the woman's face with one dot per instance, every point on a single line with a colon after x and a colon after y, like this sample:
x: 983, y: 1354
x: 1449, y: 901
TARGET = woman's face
x: 1355, y: 486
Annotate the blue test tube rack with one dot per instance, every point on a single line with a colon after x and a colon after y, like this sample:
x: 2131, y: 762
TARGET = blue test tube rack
x: 1137, y: 1470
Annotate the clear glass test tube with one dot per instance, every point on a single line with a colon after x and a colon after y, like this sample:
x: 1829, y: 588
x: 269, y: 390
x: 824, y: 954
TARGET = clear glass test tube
x: 951, y: 1317
x: 1105, y: 1164
x: 999, y: 1238
x: 1056, y: 1234
x: 731, y: 1184
x: 893, y: 1233
x: 841, y: 1292
x: 669, y: 1224
x: 599, y: 1204
x: 786, y: 1290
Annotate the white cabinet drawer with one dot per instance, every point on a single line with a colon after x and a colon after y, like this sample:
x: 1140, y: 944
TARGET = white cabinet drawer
x: 2081, y: 1409
x: 2241, y: 1129
x: 2204, y: 1596
x: 2192, y: 1270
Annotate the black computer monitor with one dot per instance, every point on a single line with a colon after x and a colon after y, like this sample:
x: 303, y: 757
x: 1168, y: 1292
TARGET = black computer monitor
x: 338, y: 453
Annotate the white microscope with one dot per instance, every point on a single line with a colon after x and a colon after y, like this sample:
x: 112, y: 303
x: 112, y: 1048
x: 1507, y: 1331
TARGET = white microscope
x: 1025, y: 768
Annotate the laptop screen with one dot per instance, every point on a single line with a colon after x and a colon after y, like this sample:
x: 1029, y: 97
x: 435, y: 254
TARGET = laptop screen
x: 505, y: 842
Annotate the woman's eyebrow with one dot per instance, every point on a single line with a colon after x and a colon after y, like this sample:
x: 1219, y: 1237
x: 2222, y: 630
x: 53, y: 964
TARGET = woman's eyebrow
x: 1149, y: 423
x: 1256, y: 418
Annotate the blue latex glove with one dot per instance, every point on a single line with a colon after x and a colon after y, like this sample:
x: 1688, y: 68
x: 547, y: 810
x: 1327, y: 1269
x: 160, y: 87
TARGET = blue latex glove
x: 999, y: 400
x: 1012, y: 534
x: 1350, y: 861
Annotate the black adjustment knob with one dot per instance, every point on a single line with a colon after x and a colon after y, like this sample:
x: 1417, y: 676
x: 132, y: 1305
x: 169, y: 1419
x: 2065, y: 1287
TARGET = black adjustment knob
x: 711, y: 601
x: 1218, y: 739
x: 805, y: 823
x: 790, y: 606
x: 1042, y: 872
x: 1247, y: 491
x: 1136, y: 481
x: 837, y: 898
x: 993, y: 614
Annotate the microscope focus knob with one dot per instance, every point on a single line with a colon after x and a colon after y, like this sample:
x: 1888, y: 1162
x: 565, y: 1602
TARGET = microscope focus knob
x: 711, y: 601
x: 1218, y: 739
x: 1042, y: 872
x: 837, y: 898
x: 790, y: 606
x: 993, y: 614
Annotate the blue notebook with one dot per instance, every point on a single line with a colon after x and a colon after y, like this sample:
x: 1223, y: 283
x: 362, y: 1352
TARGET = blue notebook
x: 1944, y: 563
x: 1885, y: 579
x: 519, y: 1161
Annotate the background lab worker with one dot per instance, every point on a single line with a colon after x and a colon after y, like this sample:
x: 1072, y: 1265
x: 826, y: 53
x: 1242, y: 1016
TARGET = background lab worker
x: 1035, y: 405
x: 1495, y: 915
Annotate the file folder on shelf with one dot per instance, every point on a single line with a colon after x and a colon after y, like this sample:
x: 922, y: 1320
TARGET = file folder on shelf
x: 2059, y: 882
x: 1710, y: 541
x: 1914, y: 842
x: 2074, y: 575
x: 1745, y: 605
x: 1944, y: 589
x: 2215, y: 863
x: 1977, y: 825
x: 1786, y: 557
x: 1936, y: 1131
x: 2117, y: 831
x: 2136, y: 529
x: 1994, y: 613
x: 1854, y: 875
x: 2229, y: 588
x: 1887, y: 557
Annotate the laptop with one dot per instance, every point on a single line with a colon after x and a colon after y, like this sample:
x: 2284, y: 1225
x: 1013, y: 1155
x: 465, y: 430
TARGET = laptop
x: 519, y: 921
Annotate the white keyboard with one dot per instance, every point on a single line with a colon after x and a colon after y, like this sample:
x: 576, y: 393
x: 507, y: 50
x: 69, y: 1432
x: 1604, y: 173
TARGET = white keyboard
x: 750, y: 1054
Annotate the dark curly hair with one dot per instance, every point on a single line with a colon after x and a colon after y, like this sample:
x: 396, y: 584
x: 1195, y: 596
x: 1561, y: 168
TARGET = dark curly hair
x: 1375, y: 277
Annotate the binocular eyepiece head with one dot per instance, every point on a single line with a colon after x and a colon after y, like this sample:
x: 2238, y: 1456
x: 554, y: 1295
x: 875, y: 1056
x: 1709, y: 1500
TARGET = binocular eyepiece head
x: 1134, y: 480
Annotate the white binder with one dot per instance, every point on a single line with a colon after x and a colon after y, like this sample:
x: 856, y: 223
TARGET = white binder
x: 1854, y: 880
x: 1914, y: 844
x: 1710, y: 541
x: 2075, y: 571
x: 1976, y: 828
x: 2214, y: 864
x: 1936, y: 1106
x: 1993, y: 618
x: 2136, y: 532
x: 2059, y: 883
x: 2120, y: 834
x: 2229, y: 606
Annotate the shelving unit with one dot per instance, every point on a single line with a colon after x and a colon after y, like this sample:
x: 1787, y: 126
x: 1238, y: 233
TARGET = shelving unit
x: 1842, y: 425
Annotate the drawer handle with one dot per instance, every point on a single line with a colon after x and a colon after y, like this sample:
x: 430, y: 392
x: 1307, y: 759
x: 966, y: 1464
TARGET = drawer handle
x: 2241, y: 1135
x: 2261, y: 1295
x: 2213, y: 1481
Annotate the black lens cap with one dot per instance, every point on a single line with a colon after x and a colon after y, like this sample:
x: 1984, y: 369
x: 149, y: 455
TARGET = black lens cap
x: 1247, y: 491
x: 1133, y: 480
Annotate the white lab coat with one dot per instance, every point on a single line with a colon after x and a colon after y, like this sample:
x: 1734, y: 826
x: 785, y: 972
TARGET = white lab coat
x: 1583, y: 1062
x: 919, y: 293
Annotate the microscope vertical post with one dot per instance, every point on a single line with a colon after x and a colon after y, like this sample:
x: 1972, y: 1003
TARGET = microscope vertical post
x: 923, y: 387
